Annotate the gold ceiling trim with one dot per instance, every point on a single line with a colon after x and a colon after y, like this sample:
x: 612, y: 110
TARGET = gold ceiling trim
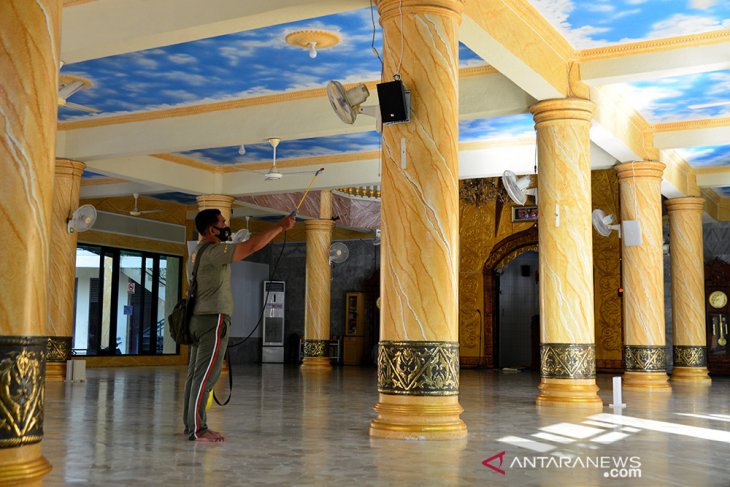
x: 472, y: 71
x: 101, y: 181
x: 712, y: 170
x: 656, y: 45
x: 228, y: 104
x: 74, y: 3
x: 692, y: 124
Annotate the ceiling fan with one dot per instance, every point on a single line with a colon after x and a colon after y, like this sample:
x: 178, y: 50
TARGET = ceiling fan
x: 70, y: 85
x: 273, y: 174
x: 137, y: 212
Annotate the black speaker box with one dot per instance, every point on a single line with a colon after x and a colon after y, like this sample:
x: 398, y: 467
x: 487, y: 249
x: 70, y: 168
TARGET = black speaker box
x: 393, y: 102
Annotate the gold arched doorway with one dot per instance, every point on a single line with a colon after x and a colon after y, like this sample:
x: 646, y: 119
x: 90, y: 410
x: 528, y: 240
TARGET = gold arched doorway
x: 502, y: 254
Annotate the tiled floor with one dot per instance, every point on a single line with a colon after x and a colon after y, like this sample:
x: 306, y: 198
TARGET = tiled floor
x: 123, y: 427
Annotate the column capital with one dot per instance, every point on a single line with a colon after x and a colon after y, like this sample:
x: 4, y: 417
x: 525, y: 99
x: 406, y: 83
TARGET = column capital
x: 640, y: 169
x: 69, y: 167
x: 214, y: 201
x: 392, y: 8
x: 556, y: 109
x: 318, y: 225
x: 690, y: 203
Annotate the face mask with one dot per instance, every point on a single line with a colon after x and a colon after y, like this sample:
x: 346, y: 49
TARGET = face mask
x: 224, y: 234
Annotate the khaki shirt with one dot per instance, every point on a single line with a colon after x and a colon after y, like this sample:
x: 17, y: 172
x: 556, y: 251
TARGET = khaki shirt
x: 214, y: 280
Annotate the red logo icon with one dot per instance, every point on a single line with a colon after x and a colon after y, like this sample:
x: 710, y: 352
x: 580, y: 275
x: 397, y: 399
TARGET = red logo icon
x: 487, y: 463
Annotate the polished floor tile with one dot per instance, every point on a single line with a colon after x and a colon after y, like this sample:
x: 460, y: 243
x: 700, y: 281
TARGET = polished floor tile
x: 123, y: 427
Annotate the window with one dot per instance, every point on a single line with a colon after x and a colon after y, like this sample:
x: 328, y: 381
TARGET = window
x: 122, y: 300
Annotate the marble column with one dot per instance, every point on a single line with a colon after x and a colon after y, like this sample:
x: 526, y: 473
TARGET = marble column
x: 317, y: 287
x: 418, y: 353
x: 642, y: 267
x: 29, y: 44
x: 567, y: 333
x: 60, y: 324
x: 220, y: 202
x: 688, y: 290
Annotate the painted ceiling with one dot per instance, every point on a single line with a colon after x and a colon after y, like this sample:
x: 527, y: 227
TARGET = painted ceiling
x: 259, y: 62
x: 234, y: 66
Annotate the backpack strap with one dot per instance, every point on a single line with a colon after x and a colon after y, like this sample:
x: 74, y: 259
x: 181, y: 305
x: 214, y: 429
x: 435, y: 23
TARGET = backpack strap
x: 198, y: 258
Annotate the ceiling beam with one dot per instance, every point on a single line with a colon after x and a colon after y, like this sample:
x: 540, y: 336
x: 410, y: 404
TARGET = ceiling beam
x: 165, y: 174
x: 649, y: 60
x: 514, y: 38
x: 99, y: 29
x: 295, y: 116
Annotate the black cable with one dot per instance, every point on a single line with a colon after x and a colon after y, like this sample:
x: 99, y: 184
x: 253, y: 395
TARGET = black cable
x: 227, y: 356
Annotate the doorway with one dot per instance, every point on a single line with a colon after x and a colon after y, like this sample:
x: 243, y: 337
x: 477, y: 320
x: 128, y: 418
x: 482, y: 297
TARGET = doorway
x: 518, y: 336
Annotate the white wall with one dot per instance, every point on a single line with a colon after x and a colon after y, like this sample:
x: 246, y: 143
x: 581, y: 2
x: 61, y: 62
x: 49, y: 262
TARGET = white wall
x: 247, y: 285
x: 518, y: 302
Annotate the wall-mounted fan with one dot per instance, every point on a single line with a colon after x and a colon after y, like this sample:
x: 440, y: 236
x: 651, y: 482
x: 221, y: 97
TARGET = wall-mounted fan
x: 347, y: 104
x: 517, y: 187
x: 69, y: 86
x: 137, y: 212
x: 603, y: 223
x: 338, y: 253
x: 378, y: 234
x: 243, y: 234
x: 82, y: 219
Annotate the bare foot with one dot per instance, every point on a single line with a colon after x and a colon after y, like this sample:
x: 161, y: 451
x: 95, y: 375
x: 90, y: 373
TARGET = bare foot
x: 211, y: 437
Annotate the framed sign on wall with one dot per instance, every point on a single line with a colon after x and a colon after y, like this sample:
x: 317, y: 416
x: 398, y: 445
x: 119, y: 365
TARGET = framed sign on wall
x: 524, y: 213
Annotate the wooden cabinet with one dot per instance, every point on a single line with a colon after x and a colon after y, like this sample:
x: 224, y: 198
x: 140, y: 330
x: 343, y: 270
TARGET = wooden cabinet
x: 717, y: 295
x: 355, y: 332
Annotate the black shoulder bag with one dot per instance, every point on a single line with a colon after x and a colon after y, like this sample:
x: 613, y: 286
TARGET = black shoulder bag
x: 179, y: 319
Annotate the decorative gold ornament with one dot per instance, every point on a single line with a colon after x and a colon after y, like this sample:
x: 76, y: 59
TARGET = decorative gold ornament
x: 59, y: 349
x: 360, y: 192
x: 718, y: 299
x: 418, y: 368
x: 312, y: 40
x: 315, y: 348
x: 479, y: 192
x: 689, y: 356
x: 644, y: 358
x: 568, y: 360
x: 22, y: 371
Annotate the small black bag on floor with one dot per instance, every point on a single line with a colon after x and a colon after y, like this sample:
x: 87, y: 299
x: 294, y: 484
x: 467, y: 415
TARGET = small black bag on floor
x: 179, y: 319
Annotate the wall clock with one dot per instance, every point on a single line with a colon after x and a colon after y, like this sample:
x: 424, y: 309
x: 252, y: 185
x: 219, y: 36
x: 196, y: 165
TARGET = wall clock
x: 718, y: 299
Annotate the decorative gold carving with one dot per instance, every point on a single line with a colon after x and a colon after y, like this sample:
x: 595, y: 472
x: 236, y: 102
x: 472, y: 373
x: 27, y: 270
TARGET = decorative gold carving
x: 654, y: 45
x: 568, y: 360
x: 315, y: 348
x: 480, y: 191
x: 22, y: 371
x: 418, y: 368
x: 360, y: 192
x: 59, y: 349
x: 644, y: 358
x: 689, y: 356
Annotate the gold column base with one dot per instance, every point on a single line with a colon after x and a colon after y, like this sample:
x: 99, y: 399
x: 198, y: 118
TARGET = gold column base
x: 418, y: 418
x: 571, y: 393
x: 695, y: 375
x: 24, y: 465
x: 55, y: 371
x: 647, y: 381
x: 320, y: 363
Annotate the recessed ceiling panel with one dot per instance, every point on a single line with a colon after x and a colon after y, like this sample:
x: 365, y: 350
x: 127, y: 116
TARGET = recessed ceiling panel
x: 242, y: 65
x: 595, y: 23
x: 716, y: 155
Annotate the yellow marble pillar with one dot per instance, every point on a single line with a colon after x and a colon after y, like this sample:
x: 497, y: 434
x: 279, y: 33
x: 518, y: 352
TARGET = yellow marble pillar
x: 220, y: 202
x: 317, y: 293
x: 567, y: 334
x: 688, y: 290
x: 642, y: 267
x: 29, y: 43
x: 60, y: 325
x: 418, y: 353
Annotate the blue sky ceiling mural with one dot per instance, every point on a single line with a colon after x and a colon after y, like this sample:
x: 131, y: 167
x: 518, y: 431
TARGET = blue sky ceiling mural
x: 242, y: 65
